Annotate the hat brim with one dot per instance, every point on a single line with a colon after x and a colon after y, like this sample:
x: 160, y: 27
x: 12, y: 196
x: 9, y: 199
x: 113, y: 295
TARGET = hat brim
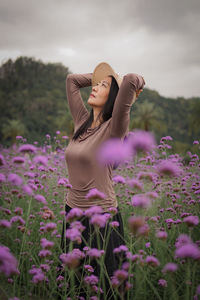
x: 103, y: 70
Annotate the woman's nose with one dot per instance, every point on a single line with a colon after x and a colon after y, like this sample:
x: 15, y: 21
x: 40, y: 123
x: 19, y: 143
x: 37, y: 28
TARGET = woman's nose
x: 94, y: 88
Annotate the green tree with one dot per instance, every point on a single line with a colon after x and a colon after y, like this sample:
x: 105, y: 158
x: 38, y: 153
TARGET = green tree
x: 13, y: 128
x: 148, y: 117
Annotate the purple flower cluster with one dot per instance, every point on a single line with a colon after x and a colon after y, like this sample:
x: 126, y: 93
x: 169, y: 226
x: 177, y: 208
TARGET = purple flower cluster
x: 8, y: 263
x: 72, y: 259
x: 27, y: 148
x: 100, y: 219
x: 185, y: 248
x: 95, y: 193
x: 168, y: 167
x: 141, y: 140
x: 141, y: 200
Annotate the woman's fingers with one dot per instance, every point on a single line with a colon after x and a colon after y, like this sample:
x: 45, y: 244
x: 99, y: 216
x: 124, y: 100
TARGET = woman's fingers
x: 138, y: 92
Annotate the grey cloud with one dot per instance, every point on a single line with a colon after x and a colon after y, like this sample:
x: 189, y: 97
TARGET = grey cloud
x: 157, y: 38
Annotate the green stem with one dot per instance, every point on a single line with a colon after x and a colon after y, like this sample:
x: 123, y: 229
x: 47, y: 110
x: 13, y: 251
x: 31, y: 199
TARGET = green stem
x: 23, y: 242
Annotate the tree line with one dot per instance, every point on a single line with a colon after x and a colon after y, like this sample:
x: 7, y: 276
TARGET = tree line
x: 33, y: 103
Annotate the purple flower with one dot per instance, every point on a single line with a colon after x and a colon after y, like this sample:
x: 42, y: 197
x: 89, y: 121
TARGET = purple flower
x: 39, y: 276
x: 15, y: 179
x: 119, y: 179
x: 27, y: 189
x: 63, y: 181
x: 95, y: 253
x: 74, y: 235
x: 114, y: 224
x: 44, y: 253
x: 5, y: 223
x: 168, y: 167
x: 121, y: 275
x: 89, y: 268
x: 72, y: 259
x: 91, y: 280
x: 162, y: 235
x: 196, y: 143
x: 40, y: 198
x: 153, y: 261
x: 45, y: 244
x: 17, y: 219
x: 2, y: 161
x: 57, y: 132
x: 27, y: 148
x: 95, y: 193
x: 162, y: 282
x: 19, y: 137
x: 147, y: 245
x: 170, y: 267
x: 183, y: 239
x: 135, y: 223
x: 18, y: 211
x: 50, y: 226
x: 135, y: 183
x: 113, y: 151
x: 141, y: 200
x: 2, y: 177
x: 100, y: 220
x: 40, y: 159
x: 8, y: 263
x: 198, y: 290
x: 191, y: 220
x: 93, y: 210
x: 73, y: 214
x: 141, y: 140
x: 18, y: 160
x: 78, y: 225
x: 121, y: 248
x: 45, y: 267
x: 189, y: 250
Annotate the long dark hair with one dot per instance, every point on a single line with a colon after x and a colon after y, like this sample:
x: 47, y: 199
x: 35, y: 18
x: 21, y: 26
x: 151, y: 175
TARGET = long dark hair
x: 106, y: 112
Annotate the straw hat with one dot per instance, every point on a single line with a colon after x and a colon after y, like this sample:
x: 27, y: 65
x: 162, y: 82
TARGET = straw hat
x: 103, y: 70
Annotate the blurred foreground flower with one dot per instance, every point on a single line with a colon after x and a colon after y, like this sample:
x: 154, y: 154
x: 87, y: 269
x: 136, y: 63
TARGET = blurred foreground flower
x: 170, y: 267
x: 113, y: 151
x: 135, y: 223
x: 168, y: 167
x: 189, y: 250
x: 27, y: 148
x: 8, y: 263
x: 141, y: 140
x: 40, y: 159
x: 95, y: 193
x: 141, y: 200
x: 72, y: 259
x: 15, y: 179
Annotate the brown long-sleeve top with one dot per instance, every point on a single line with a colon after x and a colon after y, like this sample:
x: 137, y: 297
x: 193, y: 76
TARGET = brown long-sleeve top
x: 84, y: 171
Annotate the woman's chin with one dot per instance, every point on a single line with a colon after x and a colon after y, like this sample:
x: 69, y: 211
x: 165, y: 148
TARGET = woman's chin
x: 90, y: 102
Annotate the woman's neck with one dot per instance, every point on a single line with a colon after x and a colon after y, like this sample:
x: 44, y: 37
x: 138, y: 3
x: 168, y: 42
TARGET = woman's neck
x: 96, y: 121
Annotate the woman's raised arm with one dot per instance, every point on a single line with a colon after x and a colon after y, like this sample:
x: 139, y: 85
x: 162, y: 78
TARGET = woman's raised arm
x: 125, y: 98
x: 76, y: 105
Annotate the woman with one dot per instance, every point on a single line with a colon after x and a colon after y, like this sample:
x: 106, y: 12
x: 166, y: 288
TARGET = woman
x: 111, y: 100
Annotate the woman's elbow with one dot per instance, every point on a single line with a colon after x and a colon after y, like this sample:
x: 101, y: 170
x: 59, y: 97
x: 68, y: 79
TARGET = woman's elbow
x: 135, y: 79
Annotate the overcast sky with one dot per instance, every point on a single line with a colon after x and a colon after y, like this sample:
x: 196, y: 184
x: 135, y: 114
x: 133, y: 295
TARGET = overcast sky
x: 158, y: 39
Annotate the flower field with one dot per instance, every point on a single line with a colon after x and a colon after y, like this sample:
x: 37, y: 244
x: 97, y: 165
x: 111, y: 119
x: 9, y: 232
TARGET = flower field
x: 158, y: 194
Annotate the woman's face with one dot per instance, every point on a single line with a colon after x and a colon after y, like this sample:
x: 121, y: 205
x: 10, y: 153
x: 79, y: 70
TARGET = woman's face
x: 100, y: 92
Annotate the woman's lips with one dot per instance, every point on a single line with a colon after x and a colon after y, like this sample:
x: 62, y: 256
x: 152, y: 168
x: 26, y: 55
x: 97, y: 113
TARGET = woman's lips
x: 91, y: 95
